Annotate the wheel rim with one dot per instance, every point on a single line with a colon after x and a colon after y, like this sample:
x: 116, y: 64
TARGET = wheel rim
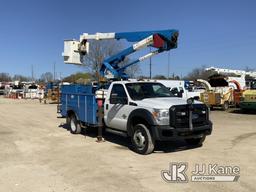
x: 139, y: 139
x: 73, y: 125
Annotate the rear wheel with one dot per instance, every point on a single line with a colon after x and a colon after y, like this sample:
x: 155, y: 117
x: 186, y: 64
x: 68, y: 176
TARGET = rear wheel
x: 68, y: 120
x: 75, y: 127
x: 196, y: 141
x: 142, y: 140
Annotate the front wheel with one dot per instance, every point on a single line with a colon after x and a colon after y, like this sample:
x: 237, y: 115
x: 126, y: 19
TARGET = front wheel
x: 75, y: 127
x: 142, y: 140
x: 196, y: 141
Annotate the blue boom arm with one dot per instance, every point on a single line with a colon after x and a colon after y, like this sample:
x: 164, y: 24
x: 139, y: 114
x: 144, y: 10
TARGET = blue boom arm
x: 162, y: 40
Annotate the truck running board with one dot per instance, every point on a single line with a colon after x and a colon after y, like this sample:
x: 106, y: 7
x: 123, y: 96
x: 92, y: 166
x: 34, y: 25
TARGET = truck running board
x: 117, y: 132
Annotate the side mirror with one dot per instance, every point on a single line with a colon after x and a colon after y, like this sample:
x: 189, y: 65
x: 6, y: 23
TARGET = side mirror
x: 115, y: 99
x: 174, y: 91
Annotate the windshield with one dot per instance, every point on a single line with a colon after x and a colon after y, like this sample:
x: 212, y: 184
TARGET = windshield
x: 139, y: 91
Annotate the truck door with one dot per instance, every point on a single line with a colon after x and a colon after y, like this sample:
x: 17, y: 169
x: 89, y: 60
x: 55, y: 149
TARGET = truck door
x: 116, y: 108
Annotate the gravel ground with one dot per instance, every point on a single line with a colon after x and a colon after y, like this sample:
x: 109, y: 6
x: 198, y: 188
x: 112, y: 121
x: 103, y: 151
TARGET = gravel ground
x: 39, y: 154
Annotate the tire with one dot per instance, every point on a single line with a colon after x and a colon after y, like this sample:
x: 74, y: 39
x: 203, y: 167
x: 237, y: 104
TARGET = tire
x: 142, y: 140
x: 74, y: 125
x: 68, y: 120
x: 225, y: 106
x: 195, y: 141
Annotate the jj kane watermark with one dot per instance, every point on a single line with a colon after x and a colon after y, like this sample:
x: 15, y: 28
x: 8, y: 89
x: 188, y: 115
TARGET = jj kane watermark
x: 178, y: 173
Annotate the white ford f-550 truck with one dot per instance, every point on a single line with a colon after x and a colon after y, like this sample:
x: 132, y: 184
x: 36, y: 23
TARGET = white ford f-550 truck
x: 144, y: 111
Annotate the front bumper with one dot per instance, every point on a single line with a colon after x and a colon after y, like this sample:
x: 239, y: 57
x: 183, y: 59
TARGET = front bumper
x: 167, y: 133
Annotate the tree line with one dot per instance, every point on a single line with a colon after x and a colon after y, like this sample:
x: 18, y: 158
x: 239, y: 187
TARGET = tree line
x: 45, y: 77
x: 83, y: 77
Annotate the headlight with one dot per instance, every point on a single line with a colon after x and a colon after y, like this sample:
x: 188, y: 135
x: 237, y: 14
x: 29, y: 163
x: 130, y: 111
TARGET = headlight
x: 160, y: 113
x: 161, y: 116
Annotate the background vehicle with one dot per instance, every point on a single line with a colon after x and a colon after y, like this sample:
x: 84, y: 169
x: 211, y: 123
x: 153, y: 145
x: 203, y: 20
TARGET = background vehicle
x: 218, y: 93
x: 31, y: 91
x: 237, y: 92
x: 245, y: 83
x: 182, y: 88
x: 2, y: 88
x: 248, y: 99
x: 52, y: 93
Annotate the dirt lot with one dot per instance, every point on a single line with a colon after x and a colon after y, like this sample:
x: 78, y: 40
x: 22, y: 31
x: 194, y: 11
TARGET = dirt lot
x: 38, y: 154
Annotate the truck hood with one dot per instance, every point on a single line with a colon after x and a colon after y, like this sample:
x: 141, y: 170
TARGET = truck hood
x: 162, y: 103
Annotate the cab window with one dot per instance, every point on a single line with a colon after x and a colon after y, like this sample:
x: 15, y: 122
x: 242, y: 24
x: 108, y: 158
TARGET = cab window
x: 117, y: 94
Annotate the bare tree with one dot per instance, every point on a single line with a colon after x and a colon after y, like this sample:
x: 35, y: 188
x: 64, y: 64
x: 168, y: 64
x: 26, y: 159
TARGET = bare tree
x: 20, y: 78
x: 248, y: 69
x: 5, y: 77
x: 99, y: 50
x: 133, y: 70
x: 47, y: 77
x: 199, y: 73
x: 159, y: 77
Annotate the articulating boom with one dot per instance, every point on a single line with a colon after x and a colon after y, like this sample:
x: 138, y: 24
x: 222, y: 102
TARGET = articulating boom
x: 230, y: 71
x: 162, y: 40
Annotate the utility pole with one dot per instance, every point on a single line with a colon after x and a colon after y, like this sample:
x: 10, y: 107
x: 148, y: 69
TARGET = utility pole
x: 54, y: 73
x: 168, y: 71
x: 32, y: 72
x: 150, y: 66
